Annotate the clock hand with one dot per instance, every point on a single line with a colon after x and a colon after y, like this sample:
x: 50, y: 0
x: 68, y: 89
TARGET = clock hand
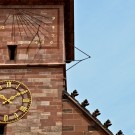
x: 13, y: 97
x: 3, y: 97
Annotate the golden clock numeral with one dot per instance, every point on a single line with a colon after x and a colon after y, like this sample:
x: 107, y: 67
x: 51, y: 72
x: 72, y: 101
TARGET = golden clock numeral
x: 23, y: 92
x: 23, y: 108
x: 16, y: 115
x: 18, y: 86
x: 26, y: 100
x: 51, y: 42
x: 8, y: 84
x: 5, y: 118
x: 53, y: 18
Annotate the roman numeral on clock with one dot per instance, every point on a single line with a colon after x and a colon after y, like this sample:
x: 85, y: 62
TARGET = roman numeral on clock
x: 15, y: 115
x: 26, y: 100
x: 8, y: 84
x: 5, y: 118
x: 23, y: 108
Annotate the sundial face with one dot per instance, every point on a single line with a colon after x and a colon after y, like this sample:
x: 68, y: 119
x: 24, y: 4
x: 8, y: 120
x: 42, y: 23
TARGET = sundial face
x: 29, y: 26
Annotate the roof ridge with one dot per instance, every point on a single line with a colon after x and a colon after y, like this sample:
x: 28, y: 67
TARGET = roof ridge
x: 87, y: 113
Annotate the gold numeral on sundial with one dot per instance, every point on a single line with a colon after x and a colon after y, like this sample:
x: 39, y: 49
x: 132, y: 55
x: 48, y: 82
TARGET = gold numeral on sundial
x: 53, y: 18
x: 36, y: 42
x: 8, y: 84
x: 2, y: 27
x: 26, y: 100
x: 15, y: 115
x: 23, y: 108
x: 5, y: 118
x: 53, y: 28
x: 18, y: 86
x: 39, y: 42
x: 53, y: 35
x: 51, y: 42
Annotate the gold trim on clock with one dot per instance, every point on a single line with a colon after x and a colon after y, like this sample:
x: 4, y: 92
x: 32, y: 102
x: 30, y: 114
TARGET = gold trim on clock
x: 15, y: 101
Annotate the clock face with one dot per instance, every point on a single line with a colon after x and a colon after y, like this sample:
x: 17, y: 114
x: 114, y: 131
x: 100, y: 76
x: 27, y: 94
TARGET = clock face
x: 15, y: 101
x: 29, y: 27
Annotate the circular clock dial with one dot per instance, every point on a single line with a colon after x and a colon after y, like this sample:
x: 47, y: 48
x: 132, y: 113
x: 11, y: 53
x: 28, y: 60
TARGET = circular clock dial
x: 15, y: 101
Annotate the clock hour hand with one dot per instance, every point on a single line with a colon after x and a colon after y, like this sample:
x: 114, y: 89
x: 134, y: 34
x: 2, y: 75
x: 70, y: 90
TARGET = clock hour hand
x: 6, y: 100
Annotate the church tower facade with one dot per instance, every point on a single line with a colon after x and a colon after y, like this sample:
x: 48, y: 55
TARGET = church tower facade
x: 35, y: 43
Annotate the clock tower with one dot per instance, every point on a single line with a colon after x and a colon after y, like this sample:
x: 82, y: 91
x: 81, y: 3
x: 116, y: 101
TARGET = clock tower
x: 36, y: 38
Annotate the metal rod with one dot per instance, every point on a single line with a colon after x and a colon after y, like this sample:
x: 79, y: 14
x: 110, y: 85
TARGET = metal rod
x: 74, y: 65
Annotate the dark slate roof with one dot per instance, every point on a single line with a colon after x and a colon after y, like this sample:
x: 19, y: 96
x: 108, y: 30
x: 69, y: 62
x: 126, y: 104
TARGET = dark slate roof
x: 86, y: 113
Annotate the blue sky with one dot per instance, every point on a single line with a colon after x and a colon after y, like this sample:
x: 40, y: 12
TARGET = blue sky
x: 105, y: 29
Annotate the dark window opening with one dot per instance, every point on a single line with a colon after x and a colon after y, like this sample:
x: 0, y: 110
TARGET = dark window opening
x: 12, y: 51
x: 2, y: 127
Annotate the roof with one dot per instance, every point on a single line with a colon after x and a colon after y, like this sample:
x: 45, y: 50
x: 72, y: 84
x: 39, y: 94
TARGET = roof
x: 69, y: 19
x: 87, y: 114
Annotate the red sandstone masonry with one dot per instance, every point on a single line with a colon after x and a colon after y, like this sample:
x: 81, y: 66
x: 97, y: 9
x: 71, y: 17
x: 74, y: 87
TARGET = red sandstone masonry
x: 75, y: 123
x: 45, y: 114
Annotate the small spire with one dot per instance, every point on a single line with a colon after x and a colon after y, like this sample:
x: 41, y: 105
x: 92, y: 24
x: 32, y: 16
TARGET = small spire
x: 107, y: 124
x: 96, y: 113
x: 120, y: 133
x: 85, y: 103
x: 74, y: 94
